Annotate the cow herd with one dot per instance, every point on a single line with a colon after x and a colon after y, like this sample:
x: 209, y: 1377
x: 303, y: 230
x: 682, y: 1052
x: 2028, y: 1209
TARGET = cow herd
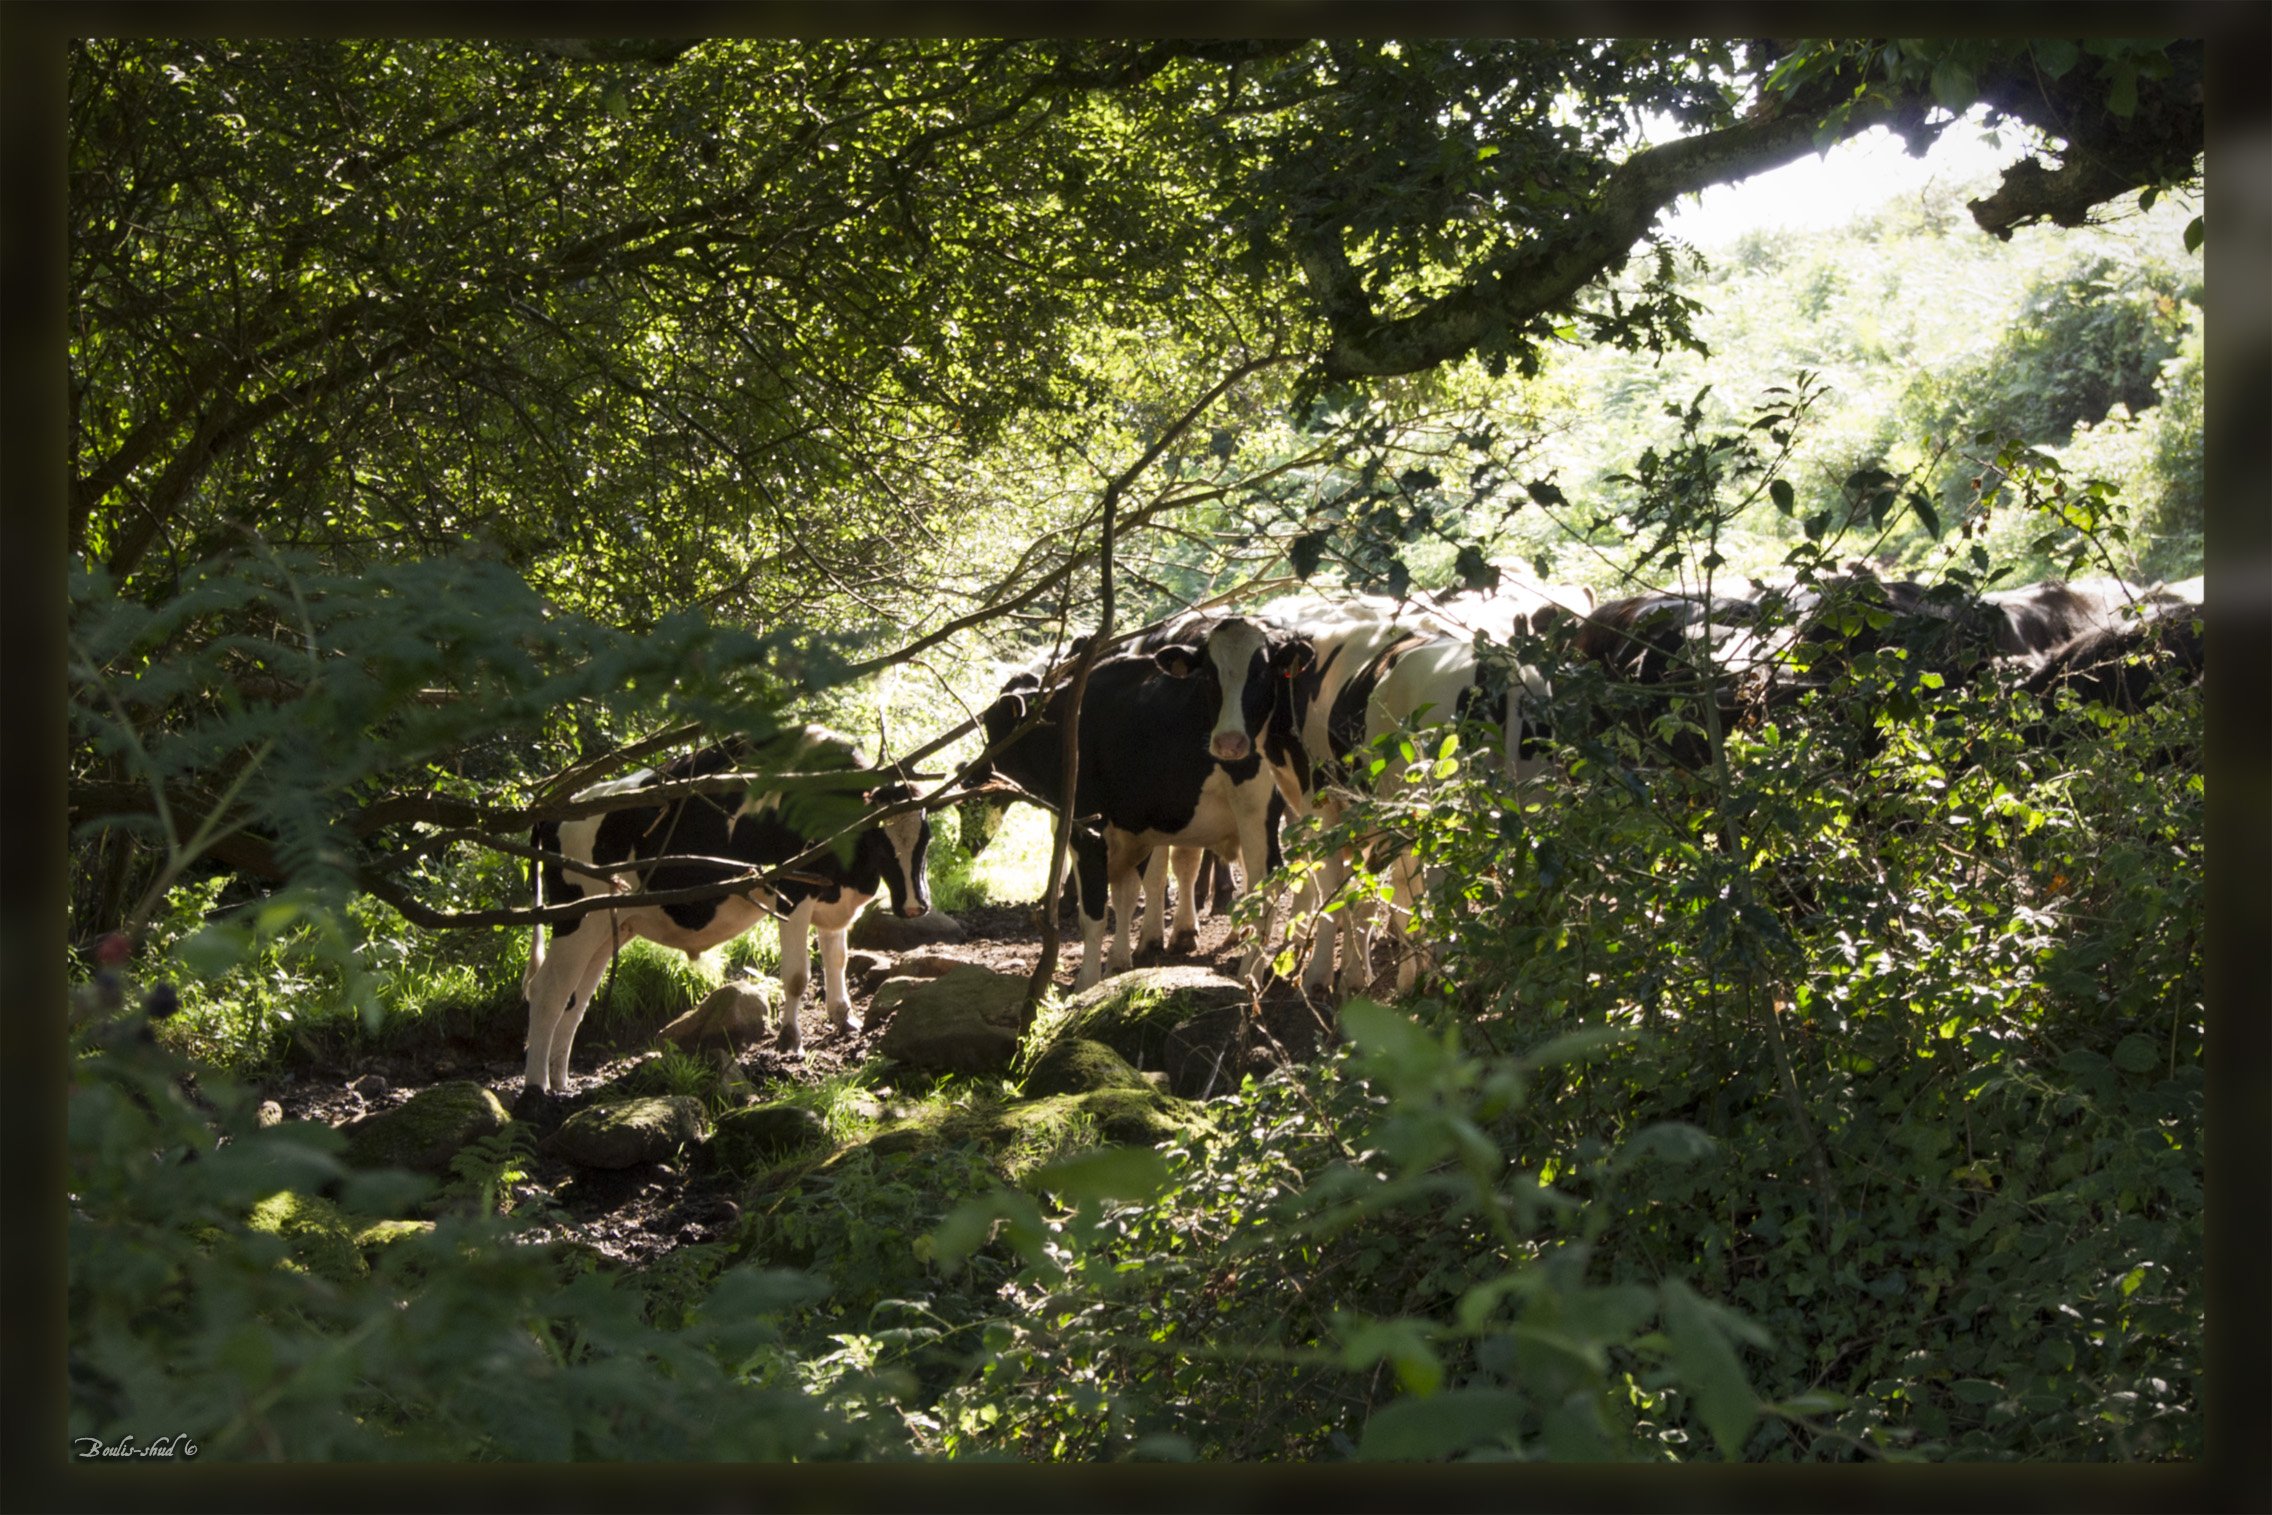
x: 1201, y: 734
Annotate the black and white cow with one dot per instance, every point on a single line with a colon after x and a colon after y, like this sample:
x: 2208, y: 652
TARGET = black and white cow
x: 1203, y: 878
x: 1330, y: 643
x: 1418, y: 686
x: 2035, y: 618
x: 1169, y: 758
x: 707, y: 839
x: 2126, y: 666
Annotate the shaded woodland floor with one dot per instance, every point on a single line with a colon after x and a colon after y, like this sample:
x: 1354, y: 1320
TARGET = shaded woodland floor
x: 635, y: 1215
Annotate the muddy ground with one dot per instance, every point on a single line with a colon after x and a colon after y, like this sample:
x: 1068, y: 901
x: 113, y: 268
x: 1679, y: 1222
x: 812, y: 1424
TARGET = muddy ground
x: 637, y: 1214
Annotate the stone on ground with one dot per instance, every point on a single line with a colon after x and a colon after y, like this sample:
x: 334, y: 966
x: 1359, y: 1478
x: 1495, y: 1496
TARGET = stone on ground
x: 731, y: 1017
x: 321, y: 1239
x: 749, y: 1138
x: 1185, y: 1021
x: 427, y: 1130
x: 964, y: 1021
x: 1076, y: 1065
x: 628, y: 1132
x: 880, y: 930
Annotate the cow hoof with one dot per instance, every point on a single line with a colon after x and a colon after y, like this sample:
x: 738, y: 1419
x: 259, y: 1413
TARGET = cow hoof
x: 846, y: 1022
x: 1185, y: 943
x: 539, y: 1109
x: 789, y: 1044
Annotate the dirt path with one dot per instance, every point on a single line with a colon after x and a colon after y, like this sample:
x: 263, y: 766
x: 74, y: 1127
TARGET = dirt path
x: 635, y: 1215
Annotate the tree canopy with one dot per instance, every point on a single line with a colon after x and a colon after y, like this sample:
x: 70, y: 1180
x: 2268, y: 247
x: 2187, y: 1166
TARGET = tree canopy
x: 766, y: 333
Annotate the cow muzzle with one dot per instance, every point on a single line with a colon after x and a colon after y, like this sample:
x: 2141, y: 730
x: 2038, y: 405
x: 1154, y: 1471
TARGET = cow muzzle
x: 915, y: 908
x: 1230, y: 746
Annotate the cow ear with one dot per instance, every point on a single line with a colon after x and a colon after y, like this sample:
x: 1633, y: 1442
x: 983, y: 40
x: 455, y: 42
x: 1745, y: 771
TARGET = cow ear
x: 1291, y: 659
x: 1545, y: 616
x: 1177, y: 660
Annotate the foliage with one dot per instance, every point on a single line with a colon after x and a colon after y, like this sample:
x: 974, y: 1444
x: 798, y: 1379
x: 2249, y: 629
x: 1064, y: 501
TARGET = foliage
x: 1789, y: 1106
x: 449, y: 1344
x: 1957, y: 1162
x: 1923, y: 337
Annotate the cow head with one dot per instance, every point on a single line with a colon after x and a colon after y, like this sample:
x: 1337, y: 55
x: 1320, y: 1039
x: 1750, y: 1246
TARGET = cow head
x: 902, y: 846
x: 1242, y: 665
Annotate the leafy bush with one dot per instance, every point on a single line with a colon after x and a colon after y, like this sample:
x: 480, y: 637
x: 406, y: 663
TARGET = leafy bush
x: 187, y: 1309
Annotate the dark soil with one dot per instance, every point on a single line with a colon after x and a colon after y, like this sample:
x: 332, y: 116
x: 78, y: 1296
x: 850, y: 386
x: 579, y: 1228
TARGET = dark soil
x: 635, y: 1215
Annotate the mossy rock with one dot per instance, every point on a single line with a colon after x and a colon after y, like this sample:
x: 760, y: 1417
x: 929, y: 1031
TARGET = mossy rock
x: 380, y: 1235
x: 1185, y: 1021
x: 1077, y: 1065
x: 967, y: 1020
x: 628, y: 1132
x: 321, y: 1238
x: 1142, y: 1116
x: 1019, y: 1137
x: 747, y: 1139
x: 427, y: 1130
x: 882, y: 931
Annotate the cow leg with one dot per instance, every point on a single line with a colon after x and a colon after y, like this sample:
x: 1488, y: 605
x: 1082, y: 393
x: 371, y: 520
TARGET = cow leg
x: 1186, y: 860
x: 833, y: 993
x: 1260, y: 856
x: 553, y: 989
x: 1152, y: 938
x: 1121, y: 867
x: 1323, y: 885
x: 1411, y: 951
x: 573, y: 1011
x: 1356, y: 919
x: 1223, y: 889
x: 1089, y: 873
x: 796, y: 972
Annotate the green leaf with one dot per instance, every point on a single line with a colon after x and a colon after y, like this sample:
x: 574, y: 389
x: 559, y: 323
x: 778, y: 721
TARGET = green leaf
x: 1666, y: 1141
x: 1107, y: 1173
x: 1977, y: 1391
x: 1780, y: 492
x: 1304, y: 551
x: 2136, y: 1053
x: 1574, y: 1046
x: 1709, y: 1369
x: 1412, y: 1430
x: 2122, y: 95
x: 1376, y: 1029
x: 214, y: 950
x: 1404, y: 1344
x: 2193, y: 234
x: 972, y: 1223
x: 2055, y: 56
x: 1926, y: 513
x: 1952, y: 85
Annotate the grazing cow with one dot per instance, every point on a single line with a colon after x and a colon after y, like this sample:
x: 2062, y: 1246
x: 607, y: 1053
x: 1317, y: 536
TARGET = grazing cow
x: 1169, y: 757
x: 1330, y: 644
x: 1515, y: 606
x: 1426, y: 681
x: 707, y: 839
x: 2038, y: 617
x: 1653, y: 648
x: 2124, y: 666
x: 1195, y: 883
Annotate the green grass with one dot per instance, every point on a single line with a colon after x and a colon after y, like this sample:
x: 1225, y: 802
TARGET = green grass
x: 1011, y: 869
